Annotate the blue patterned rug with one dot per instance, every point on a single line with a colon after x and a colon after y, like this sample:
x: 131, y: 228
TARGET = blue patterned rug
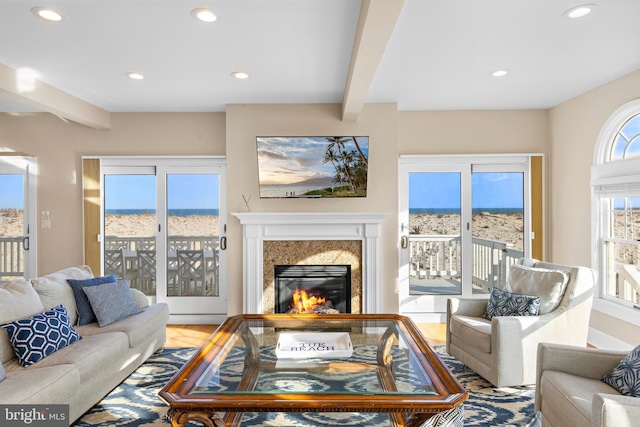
x: 135, y: 402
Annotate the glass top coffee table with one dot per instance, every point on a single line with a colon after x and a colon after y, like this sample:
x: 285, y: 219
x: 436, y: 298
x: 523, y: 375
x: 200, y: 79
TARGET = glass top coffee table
x: 313, y: 363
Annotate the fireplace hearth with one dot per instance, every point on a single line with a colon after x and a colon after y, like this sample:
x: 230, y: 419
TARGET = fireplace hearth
x: 312, y: 289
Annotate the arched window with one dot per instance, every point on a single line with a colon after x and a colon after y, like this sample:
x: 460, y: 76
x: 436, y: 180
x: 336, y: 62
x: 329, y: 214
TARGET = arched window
x: 615, y: 181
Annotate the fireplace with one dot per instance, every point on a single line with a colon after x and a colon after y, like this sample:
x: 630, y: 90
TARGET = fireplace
x: 260, y: 229
x: 326, y: 288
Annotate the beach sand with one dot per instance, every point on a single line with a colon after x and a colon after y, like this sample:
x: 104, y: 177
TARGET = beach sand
x: 506, y: 228
x: 141, y: 225
x: 128, y: 225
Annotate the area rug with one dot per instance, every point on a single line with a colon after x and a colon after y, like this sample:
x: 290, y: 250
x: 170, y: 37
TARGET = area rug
x: 135, y: 402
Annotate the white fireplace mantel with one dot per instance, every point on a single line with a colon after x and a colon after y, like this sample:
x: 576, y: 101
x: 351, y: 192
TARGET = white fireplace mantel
x: 260, y: 226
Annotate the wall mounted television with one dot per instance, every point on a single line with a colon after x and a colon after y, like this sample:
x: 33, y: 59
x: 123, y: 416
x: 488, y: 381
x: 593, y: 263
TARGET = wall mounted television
x: 312, y: 166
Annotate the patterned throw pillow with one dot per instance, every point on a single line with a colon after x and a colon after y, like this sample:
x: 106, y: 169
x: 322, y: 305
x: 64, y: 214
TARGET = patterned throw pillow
x: 451, y: 418
x: 85, y: 312
x: 626, y: 376
x: 502, y: 303
x: 112, y: 302
x: 36, y: 337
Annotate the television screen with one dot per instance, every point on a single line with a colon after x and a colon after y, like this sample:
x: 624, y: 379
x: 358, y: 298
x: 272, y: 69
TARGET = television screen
x: 312, y: 166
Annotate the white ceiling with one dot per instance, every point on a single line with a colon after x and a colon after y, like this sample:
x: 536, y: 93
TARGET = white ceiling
x: 439, y: 56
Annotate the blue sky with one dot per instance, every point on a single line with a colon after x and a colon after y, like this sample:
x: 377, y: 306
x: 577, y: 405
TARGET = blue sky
x: 441, y: 190
x: 186, y: 191
x: 11, y: 194
x: 288, y: 160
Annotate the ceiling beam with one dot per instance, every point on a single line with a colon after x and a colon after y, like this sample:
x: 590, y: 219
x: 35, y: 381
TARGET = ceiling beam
x: 375, y: 26
x: 29, y: 90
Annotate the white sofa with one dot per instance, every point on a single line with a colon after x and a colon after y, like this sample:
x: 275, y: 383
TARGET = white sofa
x: 570, y: 393
x: 82, y: 373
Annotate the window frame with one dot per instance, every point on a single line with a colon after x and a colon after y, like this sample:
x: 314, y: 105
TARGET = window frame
x: 609, y: 179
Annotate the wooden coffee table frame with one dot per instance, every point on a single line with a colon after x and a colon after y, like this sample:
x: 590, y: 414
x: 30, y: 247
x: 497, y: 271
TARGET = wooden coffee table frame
x: 226, y: 409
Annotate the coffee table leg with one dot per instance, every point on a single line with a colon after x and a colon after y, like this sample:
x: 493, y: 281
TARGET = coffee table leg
x: 180, y: 418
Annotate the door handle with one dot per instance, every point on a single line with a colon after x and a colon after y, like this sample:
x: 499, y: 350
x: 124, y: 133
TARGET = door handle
x: 404, y: 242
x: 25, y: 243
x: 223, y: 243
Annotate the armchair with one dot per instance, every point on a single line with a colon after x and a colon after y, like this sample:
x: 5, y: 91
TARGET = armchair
x: 504, y: 349
x: 569, y: 392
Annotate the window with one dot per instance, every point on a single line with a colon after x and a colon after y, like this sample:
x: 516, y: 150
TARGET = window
x: 616, y: 196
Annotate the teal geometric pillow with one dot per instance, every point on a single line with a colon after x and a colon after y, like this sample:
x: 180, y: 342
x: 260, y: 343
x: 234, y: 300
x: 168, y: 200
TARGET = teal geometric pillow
x: 36, y: 337
x: 503, y: 303
x: 626, y: 376
x: 112, y: 302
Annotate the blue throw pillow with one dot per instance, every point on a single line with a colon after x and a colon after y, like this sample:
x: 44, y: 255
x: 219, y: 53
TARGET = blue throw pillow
x: 38, y: 336
x: 112, y: 302
x: 626, y: 376
x: 502, y: 303
x: 85, y: 312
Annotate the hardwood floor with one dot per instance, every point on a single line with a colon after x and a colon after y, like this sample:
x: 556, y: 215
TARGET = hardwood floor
x: 195, y: 335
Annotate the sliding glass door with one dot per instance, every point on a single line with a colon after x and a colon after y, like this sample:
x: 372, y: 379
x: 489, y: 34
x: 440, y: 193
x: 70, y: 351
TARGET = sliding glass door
x: 18, y: 218
x: 163, y: 231
x: 463, y: 222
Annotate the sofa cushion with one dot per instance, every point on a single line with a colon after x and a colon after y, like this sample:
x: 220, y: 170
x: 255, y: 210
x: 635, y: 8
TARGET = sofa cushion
x: 34, y: 338
x: 547, y: 284
x: 502, y: 303
x: 54, y: 289
x: 567, y: 399
x: 50, y: 385
x: 2, y: 374
x: 625, y: 377
x: 83, y: 306
x: 112, y: 302
x: 138, y: 327
x: 473, y: 331
x: 102, y: 352
x: 18, y: 299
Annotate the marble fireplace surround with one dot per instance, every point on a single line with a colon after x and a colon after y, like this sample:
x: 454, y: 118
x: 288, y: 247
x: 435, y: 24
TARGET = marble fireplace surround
x: 258, y: 227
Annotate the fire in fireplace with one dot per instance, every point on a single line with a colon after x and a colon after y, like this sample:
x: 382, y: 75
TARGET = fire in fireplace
x: 312, y: 289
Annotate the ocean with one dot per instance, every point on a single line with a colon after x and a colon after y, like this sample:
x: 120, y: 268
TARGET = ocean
x: 176, y: 212
x: 442, y: 211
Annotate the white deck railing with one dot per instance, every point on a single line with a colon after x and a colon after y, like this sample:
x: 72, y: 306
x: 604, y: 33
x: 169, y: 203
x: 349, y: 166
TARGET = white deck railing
x: 11, y: 258
x: 207, y: 243
x: 628, y: 282
x: 435, y: 257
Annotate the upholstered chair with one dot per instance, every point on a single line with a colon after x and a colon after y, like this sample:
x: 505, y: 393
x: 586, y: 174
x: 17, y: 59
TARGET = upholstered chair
x: 504, y: 349
x: 570, y: 391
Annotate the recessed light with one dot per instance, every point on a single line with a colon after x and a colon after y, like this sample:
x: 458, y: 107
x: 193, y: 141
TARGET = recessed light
x: 240, y: 75
x: 204, y: 15
x: 135, y: 76
x: 47, y: 14
x: 499, y: 73
x: 579, y: 11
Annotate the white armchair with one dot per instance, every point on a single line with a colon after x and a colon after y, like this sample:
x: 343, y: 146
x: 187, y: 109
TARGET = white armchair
x: 570, y: 393
x: 504, y: 349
